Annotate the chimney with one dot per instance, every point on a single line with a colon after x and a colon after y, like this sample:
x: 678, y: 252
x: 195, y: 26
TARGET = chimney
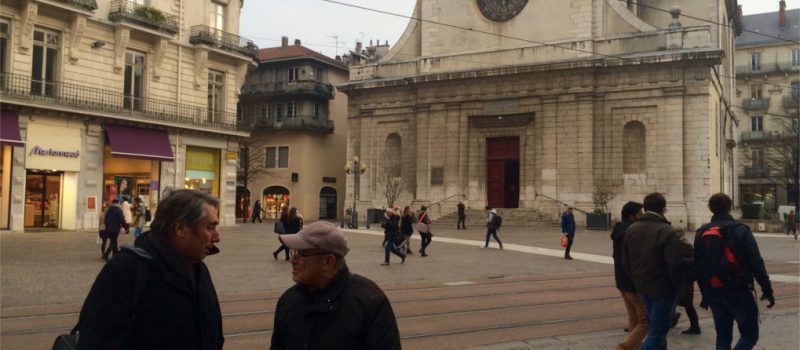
x: 782, y: 14
x: 358, y: 46
x: 284, y: 42
x: 297, y: 41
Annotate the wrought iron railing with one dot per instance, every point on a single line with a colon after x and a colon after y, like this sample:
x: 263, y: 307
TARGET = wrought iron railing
x: 766, y: 68
x: 791, y: 101
x: 755, y: 103
x: 294, y: 87
x: 313, y: 123
x: 20, y: 87
x: 88, y: 5
x: 143, y: 15
x: 224, y: 40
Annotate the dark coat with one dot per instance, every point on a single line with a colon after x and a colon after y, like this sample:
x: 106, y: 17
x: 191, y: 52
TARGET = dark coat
x: 686, y: 292
x: 743, y: 245
x: 652, y: 256
x: 568, y: 223
x: 391, y: 228
x: 292, y: 226
x: 461, y: 210
x: 407, y: 224
x: 351, y: 313
x: 624, y: 283
x: 177, y: 308
x: 114, y: 220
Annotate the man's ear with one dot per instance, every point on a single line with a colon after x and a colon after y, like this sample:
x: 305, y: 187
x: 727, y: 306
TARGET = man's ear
x: 181, y: 230
x: 330, y: 262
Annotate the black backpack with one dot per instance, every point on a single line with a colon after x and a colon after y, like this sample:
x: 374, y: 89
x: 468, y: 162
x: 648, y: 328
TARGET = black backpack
x: 716, y: 264
x: 497, y: 221
x: 147, y: 215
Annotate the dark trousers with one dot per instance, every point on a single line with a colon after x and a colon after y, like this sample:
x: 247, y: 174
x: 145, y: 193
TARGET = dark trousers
x: 461, y: 222
x: 390, y: 247
x: 426, y: 240
x: 282, y: 247
x: 112, y: 247
x: 492, y: 232
x: 570, y: 238
x: 256, y: 216
x: 739, y: 306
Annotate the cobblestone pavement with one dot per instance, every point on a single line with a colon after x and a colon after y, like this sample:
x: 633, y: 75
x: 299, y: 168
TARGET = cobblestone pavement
x: 51, y: 272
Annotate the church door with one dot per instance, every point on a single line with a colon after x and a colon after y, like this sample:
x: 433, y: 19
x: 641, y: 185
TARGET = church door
x: 502, y: 172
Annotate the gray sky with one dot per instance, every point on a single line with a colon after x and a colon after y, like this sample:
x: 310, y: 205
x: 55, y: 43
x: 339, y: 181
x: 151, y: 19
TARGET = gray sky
x: 316, y: 22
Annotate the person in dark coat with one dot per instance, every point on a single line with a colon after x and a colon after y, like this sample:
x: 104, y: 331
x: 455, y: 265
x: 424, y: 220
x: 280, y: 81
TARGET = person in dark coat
x: 462, y: 216
x: 735, y: 302
x: 637, y: 317
x: 391, y: 233
x: 257, y: 210
x: 329, y: 307
x: 159, y: 294
x: 686, y: 292
x: 407, y: 229
x: 292, y: 223
x: 491, y: 227
x: 568, y: 229
x: 115, y: 221
x: 425, y: 224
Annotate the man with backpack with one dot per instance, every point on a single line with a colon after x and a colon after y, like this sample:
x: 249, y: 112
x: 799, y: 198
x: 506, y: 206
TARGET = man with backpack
x: 493, y: 223
x: 727, y: 259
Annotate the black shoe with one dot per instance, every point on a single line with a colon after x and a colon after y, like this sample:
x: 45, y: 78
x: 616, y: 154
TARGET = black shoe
x: 423, y: 254
x: 692, y: 330
x: 675, y: 317
x: 568, y: 257
x: 275, y: 256
x: 501, y: 247
x: 403, y: 260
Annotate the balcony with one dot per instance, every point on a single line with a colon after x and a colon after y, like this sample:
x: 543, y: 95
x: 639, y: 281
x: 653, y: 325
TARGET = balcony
x: 767, y: 68
x: 767, y: 135
x: 85, y: 5
x: 14, y: 87
x: 755, y: 104
x: 146, y: 16
x: 223, y: 40
x: 791, y: 101
x: 284, y: 89
x: 320, y: 124
x: 756, y: 172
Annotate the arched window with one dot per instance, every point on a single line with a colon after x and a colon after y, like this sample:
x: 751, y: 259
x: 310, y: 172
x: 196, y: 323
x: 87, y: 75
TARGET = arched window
x: 392, y: 155
x: 633, y: 148
x: 274, y: 198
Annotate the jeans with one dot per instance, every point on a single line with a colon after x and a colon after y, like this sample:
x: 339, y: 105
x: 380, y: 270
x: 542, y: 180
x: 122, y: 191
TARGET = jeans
x: 461, y: 222
x: 659, y: 319
x: 739, y: 306
x: 390, y: 247
x: 492, y: 232
x: 137, y: 231
x: 569, y: 244
x: 426, y: 240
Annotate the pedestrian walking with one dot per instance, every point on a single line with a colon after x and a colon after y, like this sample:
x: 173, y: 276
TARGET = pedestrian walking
x: 791, y: 223
x: 329, y: 307
x: 391, y: 234
x: 568, y: 229
x: 159, y: 294
x: 686, y: 291
x: 103, y: 233
x: 492, y: 227
x: 637, y: 317
x: 424, y: 229
x: 125, y: 205
x: 292, y: 223
x: 727, y: 259
x: 407, y: 229
x: 115, y: 221
x: 257, y: 210
x: 138, y: 217
x: 652, y: 258
x: 462, y: 216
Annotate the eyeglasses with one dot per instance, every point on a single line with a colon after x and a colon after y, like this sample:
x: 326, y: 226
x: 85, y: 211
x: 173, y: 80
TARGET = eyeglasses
x: 306, y: 253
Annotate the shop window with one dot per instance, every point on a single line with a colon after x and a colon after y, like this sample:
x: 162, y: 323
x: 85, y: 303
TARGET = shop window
x: 45, y: 60
x: 216, y: 88
x: 134, y: 80
x: 5, y: 26
x: 129, y: 178
x: 202, y: 170
x: 274, y: 199
x: 277, y: 157
x: 634, y: 144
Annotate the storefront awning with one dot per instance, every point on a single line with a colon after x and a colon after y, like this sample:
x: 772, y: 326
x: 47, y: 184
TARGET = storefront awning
x: 9, y: 129
x: 141, y: 143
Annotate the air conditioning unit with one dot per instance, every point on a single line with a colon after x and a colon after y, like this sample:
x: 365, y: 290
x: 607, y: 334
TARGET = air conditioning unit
x: 762, y: 227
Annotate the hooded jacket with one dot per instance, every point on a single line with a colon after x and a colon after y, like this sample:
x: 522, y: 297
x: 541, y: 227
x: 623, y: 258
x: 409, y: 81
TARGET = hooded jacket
x: 652, y: 256
x: 624, y: 283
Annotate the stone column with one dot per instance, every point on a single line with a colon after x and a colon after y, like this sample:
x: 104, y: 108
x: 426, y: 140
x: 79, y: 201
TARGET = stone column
x: 423, y: 150
x: 549, y: 146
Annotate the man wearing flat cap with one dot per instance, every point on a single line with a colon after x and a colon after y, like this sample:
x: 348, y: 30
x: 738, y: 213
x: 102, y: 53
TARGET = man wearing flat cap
x: 329, y: 307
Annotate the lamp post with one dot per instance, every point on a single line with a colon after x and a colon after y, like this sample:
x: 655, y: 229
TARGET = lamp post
x: 355, y: 168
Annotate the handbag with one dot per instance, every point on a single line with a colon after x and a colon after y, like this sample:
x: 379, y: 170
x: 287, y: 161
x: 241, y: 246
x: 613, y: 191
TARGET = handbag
x: 564, y: 241
x: 67, y: 341
x: 279, y: 228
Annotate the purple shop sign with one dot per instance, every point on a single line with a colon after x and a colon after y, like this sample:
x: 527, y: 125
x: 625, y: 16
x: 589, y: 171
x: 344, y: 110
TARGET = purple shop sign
x: 55, y: 153
x: 153, y: 185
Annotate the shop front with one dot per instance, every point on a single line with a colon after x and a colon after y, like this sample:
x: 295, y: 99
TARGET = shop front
x: 9, y: 138
x: 275, y: 198
x: 132, y: 163
x: 202, y: 170
x: 52, y: 163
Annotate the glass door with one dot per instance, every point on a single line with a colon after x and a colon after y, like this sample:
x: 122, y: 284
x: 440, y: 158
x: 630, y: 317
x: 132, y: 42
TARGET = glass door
x: 42, y: 199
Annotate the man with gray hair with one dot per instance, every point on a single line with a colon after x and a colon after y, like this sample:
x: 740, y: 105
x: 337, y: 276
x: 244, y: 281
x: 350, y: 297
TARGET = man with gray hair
x: 329, y: 307
x: 159, y: 294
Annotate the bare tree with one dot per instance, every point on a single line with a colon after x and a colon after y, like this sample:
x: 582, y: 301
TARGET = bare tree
x: 391, y: 189
x: 601, y: 196
x: 781, y: 162
x: 251, y: 162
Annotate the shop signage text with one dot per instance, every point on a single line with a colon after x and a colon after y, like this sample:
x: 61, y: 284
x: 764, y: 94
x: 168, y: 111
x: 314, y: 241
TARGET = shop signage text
x: 55, y: 153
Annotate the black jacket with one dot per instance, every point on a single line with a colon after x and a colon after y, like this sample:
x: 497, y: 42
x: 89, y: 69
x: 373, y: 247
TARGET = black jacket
x: 177, y: 307
x: 652, y: 256
x: 407, y: 224
x: 624, y: 283
x: 351, y: 313
x: 392, y: 228
x: 114, y: 220
x: 743, y: 245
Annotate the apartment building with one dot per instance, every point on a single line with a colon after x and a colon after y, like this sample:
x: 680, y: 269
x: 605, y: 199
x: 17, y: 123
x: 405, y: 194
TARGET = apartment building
x: 768, y: 91
x: 106, y: 100
x: 296, y: 153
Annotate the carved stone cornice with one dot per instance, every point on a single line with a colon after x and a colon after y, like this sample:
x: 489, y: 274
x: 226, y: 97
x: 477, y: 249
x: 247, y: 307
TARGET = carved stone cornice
x: 159, y: 52
x: 122, y: 36
x: 201, y: 66
x: 494, y: 121
x: 674, y: 91
x: 77, y: 29
x: 30, y: 11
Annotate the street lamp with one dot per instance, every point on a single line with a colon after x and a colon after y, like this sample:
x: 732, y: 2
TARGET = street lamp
x: 355, y: 168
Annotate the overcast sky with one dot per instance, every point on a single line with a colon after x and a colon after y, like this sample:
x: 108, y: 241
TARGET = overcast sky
x: 317, y: 22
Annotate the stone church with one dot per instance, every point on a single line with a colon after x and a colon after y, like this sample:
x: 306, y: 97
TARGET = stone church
x: 536, y: 104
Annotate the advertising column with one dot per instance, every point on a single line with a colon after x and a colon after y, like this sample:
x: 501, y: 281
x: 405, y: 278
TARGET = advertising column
x: 202, y: 169
x: 52, y: 163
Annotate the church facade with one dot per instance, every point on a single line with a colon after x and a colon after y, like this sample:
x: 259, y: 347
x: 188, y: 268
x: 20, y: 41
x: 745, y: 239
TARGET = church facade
x: 538, y: 104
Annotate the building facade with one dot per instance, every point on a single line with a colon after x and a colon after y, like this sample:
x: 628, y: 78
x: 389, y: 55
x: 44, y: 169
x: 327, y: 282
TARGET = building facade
x: 767, y: 95
x: 485, y: 102
x: 296, y: 153
x: 113, y: 99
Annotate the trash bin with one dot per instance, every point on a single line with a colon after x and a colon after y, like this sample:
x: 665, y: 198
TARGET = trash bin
x: 375, y: 215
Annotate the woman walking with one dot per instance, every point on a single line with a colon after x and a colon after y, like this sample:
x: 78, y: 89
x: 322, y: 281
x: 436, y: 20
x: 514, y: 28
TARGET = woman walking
x: 686, y: 293
x: 407, y: 229
x: 103, y: 233
x: 256, y: 212
x: 390, y: 232
x: 284, y: 220
x: 424, y: 229
x: 138, y: 217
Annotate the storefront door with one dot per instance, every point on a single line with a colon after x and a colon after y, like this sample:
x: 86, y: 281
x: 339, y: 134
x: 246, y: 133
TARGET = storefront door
x: 42, y: 199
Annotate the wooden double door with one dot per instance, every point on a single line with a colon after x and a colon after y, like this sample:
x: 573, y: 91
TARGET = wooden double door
x: 502, y: 172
